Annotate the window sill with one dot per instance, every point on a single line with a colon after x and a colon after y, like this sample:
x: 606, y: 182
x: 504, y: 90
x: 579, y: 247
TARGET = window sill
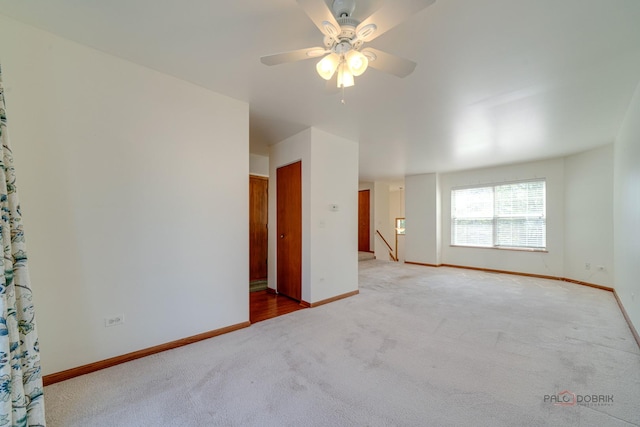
x: 502, y: 248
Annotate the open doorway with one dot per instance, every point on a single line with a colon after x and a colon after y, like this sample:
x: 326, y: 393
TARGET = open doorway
x: 364, y: 224
x: 258, y: 231
x: 263, y: 303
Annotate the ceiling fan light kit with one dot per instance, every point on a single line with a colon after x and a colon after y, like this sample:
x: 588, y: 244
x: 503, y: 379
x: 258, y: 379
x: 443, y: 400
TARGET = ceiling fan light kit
x: 345, y: 36
x: 345, y: 77
x: 358, y: 63
x: 328, y: 65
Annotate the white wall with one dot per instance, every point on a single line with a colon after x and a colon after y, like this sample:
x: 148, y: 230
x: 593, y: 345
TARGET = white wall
x: 329, y: 238
x: 334, y: 235
x: 291, y: 150
x: 134, y: 189
x: 551, y: 263
x: 423, y: 242
x: 626, y: 202
x: 381, y: 215
x: 396, y: 210
x: 588, y: 222
x: 258, y: 165
x: 579, y: 218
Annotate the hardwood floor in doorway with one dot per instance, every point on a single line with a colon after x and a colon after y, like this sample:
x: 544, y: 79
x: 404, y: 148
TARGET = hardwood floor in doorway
x: 264, y: 305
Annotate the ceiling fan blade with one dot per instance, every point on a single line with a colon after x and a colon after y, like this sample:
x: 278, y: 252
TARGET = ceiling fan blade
x: 389, y: 63
x: 391, y: 14
x: 293, y: 56
x: 321, y: 15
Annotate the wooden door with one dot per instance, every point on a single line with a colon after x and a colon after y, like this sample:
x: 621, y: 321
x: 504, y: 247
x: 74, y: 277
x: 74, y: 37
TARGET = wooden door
x: 289, y: 230
x: 364, y: 226
x: 258, y: 233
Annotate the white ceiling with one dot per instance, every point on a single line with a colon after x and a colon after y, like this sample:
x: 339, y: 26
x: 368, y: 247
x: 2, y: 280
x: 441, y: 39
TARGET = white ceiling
x: 498, y: 81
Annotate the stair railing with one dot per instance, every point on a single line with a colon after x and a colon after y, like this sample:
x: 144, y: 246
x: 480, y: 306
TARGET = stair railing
x: 391, y: 255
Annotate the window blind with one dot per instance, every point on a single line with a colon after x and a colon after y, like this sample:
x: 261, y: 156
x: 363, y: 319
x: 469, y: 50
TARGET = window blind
x: 504, y: 215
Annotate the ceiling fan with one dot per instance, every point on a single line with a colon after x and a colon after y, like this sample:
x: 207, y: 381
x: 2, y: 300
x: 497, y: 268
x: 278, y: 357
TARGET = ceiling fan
x: 344, y: 49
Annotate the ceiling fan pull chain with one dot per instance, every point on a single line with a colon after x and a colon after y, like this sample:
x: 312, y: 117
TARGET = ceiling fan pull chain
x: 342, y: 100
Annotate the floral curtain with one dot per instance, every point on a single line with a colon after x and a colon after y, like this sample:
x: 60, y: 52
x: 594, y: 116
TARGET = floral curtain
x: 21, y: 395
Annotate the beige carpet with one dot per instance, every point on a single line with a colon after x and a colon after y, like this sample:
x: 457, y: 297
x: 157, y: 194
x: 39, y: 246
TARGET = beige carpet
x: 365, y: 256
x: 418, y: 347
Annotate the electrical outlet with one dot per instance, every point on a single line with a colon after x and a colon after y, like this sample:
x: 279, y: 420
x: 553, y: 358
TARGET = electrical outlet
x: 114, y: 320
x: 587, y: 266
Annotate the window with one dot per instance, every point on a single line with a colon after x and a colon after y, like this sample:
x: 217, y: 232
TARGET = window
x: 509, y: 215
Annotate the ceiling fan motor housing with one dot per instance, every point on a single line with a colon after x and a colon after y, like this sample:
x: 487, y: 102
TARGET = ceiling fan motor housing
x: 345, y: 40
x: 347, y: 27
